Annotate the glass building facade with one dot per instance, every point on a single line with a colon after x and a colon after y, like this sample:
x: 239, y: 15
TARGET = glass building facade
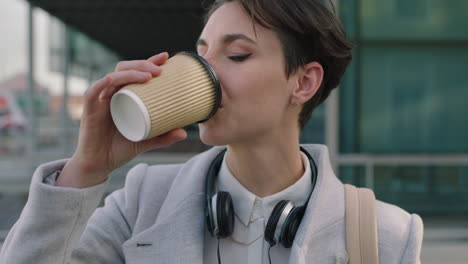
x: 402, y: 104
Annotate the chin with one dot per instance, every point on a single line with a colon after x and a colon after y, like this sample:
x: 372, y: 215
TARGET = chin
x: 211, y: 136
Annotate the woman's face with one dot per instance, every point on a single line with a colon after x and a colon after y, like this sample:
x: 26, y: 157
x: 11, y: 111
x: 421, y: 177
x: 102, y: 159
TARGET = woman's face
x: 250, y: 68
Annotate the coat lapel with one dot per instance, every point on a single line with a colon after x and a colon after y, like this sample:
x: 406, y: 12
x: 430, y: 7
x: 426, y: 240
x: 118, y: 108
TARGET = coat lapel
x: 324, y: 218
x: 178, y: 233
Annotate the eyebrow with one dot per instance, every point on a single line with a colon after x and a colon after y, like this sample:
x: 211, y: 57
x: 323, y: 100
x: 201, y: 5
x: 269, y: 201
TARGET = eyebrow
x: 227, y: 39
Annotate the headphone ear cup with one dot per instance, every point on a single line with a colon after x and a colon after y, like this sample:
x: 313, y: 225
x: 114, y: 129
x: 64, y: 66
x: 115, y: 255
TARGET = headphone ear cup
x: 225, y: 214
x: 273, y: 222
x: 291, y: 224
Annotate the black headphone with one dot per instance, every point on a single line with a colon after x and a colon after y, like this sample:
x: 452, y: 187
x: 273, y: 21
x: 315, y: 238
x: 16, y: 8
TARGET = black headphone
x: 220, y: 211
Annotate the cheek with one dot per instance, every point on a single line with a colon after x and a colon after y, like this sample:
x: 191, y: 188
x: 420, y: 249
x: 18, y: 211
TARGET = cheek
x: 271, y: 86
x: 256, y: 82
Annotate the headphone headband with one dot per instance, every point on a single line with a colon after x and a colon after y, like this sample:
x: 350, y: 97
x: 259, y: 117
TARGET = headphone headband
x: 220, y: 220
x: 212, y: 174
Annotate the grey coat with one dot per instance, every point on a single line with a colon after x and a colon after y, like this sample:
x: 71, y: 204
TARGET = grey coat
x: 158, y: 217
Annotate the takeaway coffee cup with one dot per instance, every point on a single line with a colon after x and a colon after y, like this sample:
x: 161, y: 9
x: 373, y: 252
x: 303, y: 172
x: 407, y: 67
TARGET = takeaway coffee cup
x: 186, y: 92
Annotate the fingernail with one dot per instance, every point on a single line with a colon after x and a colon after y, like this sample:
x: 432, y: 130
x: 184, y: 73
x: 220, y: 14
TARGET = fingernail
x: 102, y: 96
x: 159, y: 55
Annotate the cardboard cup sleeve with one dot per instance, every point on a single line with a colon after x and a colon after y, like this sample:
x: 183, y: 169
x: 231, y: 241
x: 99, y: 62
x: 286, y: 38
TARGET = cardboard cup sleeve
x: 186, y: 92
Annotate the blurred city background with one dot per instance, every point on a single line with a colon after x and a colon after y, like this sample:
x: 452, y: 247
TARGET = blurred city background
x: 397, y: 124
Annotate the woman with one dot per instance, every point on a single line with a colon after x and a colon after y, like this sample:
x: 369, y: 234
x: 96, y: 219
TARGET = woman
x: 276, y: 61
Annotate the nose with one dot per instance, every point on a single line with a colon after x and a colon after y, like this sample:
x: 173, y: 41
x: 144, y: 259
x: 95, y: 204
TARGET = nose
x: 212, y: 64
x: 209, y: 60
x: 216, y: 70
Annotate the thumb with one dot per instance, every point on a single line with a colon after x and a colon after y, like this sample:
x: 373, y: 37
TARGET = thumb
x: 163, y: 140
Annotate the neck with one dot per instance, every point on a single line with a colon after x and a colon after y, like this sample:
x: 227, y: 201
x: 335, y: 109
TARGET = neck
x: 266, y: 167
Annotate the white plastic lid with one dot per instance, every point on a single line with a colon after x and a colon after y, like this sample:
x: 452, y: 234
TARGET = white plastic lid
x: 130, y: 115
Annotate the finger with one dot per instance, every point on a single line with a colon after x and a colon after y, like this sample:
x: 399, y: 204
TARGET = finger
x: 139, y: 65
x: 163, y: 140
x: 159, y: 59
x: 93, y: 92
x: 119, y: 79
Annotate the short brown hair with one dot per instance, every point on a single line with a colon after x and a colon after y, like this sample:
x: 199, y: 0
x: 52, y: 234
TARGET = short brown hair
x: 308, y: 32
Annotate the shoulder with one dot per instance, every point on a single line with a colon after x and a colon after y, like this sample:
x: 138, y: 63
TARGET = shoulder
x: 148, y: 186
x: 400, y: 233
x: 143, y: 176
x: 145, y: 189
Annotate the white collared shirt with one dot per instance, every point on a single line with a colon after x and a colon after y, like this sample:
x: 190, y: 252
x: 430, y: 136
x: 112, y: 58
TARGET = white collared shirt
x: 247, y: 243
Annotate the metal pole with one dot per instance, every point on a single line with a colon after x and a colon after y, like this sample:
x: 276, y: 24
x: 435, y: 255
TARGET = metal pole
x: 369, y: 178
x: 332, y: 133
x: 92, y: 63
x: 332, y: 125
x: 31, y: 95
x: 66, y: 125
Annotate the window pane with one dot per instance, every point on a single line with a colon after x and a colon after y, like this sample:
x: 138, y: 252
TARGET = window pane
x: 412, y: 100
x: 348, y: 109
x: 355, y: 175
x: 415, y: 19
x: 314, y: 131
x: 441, y: 189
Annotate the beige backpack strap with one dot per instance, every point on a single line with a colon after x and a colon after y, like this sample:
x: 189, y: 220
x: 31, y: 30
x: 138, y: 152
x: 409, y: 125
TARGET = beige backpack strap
x: 361, y: 226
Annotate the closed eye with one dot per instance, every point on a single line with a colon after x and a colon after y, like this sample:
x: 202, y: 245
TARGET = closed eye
x: 240, y: 58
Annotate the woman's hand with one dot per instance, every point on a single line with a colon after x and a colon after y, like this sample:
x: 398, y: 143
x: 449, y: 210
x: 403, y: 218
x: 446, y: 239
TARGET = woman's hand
x: 101, y: 147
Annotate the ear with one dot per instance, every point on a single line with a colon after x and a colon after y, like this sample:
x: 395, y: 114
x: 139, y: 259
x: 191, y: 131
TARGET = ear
x: 310, y: 78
